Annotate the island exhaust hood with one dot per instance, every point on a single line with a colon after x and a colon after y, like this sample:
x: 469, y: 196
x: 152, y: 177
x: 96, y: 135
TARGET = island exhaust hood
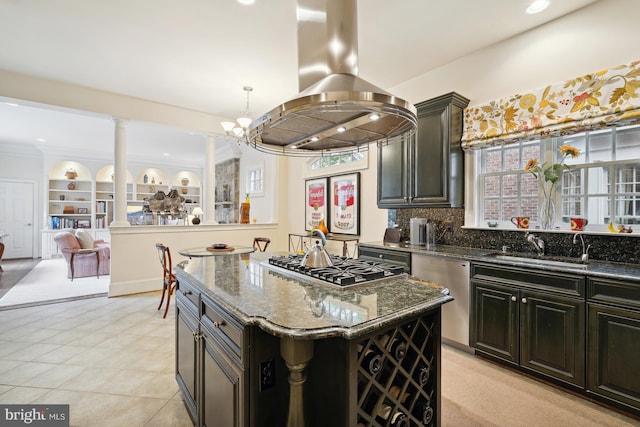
x: 340, y: 112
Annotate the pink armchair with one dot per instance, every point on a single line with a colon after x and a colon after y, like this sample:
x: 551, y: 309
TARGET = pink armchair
x: 84, y: 255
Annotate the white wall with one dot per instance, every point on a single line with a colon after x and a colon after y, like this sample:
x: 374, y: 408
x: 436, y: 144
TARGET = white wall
x: 598, y: 36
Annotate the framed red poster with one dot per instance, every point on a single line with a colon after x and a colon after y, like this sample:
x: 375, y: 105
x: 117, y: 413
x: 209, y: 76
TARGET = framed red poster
x: 345, y: 204
x: 316, y: 206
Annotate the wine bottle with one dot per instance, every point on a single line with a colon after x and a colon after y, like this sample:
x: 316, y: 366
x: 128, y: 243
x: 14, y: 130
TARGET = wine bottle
x: 399, y: 419
x: 423, y: 412
x: 383, y: 413
x: 397, y: 348
x: 372, y: 359
x: 421, y: 375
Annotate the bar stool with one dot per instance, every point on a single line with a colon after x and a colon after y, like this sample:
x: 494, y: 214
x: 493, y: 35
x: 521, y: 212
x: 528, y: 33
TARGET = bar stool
x: 261, y: 243
x: 168, y: 278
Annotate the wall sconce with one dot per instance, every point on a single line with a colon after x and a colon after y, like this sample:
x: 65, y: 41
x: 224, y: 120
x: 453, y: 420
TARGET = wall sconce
x: 196, y: 215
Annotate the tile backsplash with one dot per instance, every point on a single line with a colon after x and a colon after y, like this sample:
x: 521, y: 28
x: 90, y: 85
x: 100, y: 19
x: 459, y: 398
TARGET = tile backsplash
x: 618, y: 248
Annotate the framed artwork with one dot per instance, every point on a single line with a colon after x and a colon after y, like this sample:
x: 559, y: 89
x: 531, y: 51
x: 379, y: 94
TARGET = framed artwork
x: 316, y: 206
x: 345, y: 204
x: 83, y: 210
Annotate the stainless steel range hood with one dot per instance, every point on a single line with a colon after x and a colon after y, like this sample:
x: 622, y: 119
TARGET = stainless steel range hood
x: 339, y: 112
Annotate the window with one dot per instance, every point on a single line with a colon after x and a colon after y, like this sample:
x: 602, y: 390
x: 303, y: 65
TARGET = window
x: 336, y: 159
x: 255, y: 181
x: 602, y: 184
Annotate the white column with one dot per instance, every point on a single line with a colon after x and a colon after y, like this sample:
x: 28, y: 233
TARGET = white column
x: 120, y: 167
x: 209, y: 184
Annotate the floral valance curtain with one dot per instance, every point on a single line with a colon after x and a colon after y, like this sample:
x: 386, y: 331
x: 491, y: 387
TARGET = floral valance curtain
x: 606, y: 98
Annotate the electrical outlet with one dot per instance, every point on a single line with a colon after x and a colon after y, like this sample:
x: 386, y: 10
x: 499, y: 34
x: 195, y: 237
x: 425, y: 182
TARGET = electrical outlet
x: 448, y: 226
x: 267, y: 374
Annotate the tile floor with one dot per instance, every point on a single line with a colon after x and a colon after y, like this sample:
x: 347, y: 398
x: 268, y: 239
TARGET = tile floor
x: 111, y: 359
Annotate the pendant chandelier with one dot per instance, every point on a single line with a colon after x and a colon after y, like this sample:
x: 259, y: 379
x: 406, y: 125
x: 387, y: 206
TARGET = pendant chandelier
x: 239, y: 128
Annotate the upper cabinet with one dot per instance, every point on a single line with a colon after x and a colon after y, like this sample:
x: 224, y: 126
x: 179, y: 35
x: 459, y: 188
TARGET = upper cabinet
x: 427, y: 169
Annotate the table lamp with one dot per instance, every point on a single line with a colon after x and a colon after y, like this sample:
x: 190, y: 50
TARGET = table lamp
x: 196, y: 212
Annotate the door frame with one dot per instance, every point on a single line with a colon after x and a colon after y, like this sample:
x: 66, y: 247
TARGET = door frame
x: 35, y: 220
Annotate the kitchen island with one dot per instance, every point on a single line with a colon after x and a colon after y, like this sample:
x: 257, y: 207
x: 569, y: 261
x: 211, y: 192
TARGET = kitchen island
x: 260, y: 346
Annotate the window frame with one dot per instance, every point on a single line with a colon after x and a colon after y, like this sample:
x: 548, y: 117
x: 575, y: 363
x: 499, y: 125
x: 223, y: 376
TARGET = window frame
x: 563, y: 201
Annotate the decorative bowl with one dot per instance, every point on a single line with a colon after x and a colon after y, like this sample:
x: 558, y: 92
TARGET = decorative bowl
x: 219, y: 245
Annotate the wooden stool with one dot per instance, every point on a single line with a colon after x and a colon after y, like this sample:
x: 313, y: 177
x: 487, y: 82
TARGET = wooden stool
x: 261, y: 243
x: 168, y: 278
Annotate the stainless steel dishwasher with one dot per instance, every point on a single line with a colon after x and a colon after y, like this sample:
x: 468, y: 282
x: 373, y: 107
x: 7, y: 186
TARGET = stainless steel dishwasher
x: 454, y: 275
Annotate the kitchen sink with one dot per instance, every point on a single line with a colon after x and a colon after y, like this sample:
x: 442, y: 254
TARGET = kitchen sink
x: 558, y: 261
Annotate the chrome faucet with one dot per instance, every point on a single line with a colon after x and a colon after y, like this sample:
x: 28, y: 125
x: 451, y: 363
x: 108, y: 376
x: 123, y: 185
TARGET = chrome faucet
x: 537, y: 242
x: 585, y: 250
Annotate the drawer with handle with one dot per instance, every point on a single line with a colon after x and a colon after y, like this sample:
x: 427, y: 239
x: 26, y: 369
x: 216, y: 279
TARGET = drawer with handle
x: 222, y: 326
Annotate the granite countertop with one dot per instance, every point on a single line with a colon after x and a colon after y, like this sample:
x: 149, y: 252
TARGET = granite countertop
x: 608, y: 270
x: 302, y: 308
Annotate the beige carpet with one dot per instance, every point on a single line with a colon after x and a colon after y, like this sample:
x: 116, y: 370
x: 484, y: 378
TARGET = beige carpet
x: 478, y: 393
x: 48, y: 282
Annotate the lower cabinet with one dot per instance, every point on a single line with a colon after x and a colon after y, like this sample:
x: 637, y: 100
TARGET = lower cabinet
x: 221, y: 387
x: 614, y: 342
x: 233, y: 375
x: 532, y: 320
x: 209, y: 368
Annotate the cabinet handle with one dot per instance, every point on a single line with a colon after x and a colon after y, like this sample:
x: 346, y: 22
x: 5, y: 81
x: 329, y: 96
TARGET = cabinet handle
x: 196, y: 336
x: 513, y: 298
x: 185, y: 293
x: 219, y: 324
x: 524, y: 300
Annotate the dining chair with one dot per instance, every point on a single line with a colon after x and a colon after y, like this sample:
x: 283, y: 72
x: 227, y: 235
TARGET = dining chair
x: 261, y: 243
x: 168, y: 278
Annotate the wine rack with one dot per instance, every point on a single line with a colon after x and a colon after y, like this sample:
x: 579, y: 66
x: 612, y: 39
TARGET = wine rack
x: 397, y: 377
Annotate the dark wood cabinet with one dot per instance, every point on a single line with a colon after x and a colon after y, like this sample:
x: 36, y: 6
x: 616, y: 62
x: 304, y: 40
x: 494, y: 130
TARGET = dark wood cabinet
x: 221, y: 387
x: 532, y: 320
x: 425, y: 169
x: 209, y: 368
x: 614, y: 342
x: 187, y: 331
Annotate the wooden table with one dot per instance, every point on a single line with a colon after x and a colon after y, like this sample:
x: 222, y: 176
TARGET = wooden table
x: 203, y: 252
x: 297, y: 241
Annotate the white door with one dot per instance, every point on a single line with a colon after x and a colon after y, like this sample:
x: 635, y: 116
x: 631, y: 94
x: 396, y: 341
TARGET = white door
x: 16, y: 218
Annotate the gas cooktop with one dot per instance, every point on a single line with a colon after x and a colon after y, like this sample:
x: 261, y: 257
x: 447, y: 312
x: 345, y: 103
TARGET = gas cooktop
x: 344, y: 272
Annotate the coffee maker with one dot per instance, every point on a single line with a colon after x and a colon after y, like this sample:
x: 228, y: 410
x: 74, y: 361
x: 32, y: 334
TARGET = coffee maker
x: 418, y: 231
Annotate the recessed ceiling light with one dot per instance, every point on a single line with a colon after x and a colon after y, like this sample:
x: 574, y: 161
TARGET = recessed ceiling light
x: 165, y: 154
x: 246, y: 2
x: 374, y: 116
x: 537, y: 6
x: 341, y: 129
x: 314, y: 139
x: 41, y: 140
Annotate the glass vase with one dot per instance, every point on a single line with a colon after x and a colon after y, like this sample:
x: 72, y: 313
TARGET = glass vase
x: 547, y: 213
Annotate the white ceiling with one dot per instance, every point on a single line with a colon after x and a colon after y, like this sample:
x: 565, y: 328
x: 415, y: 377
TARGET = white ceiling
x: 198, y: 54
